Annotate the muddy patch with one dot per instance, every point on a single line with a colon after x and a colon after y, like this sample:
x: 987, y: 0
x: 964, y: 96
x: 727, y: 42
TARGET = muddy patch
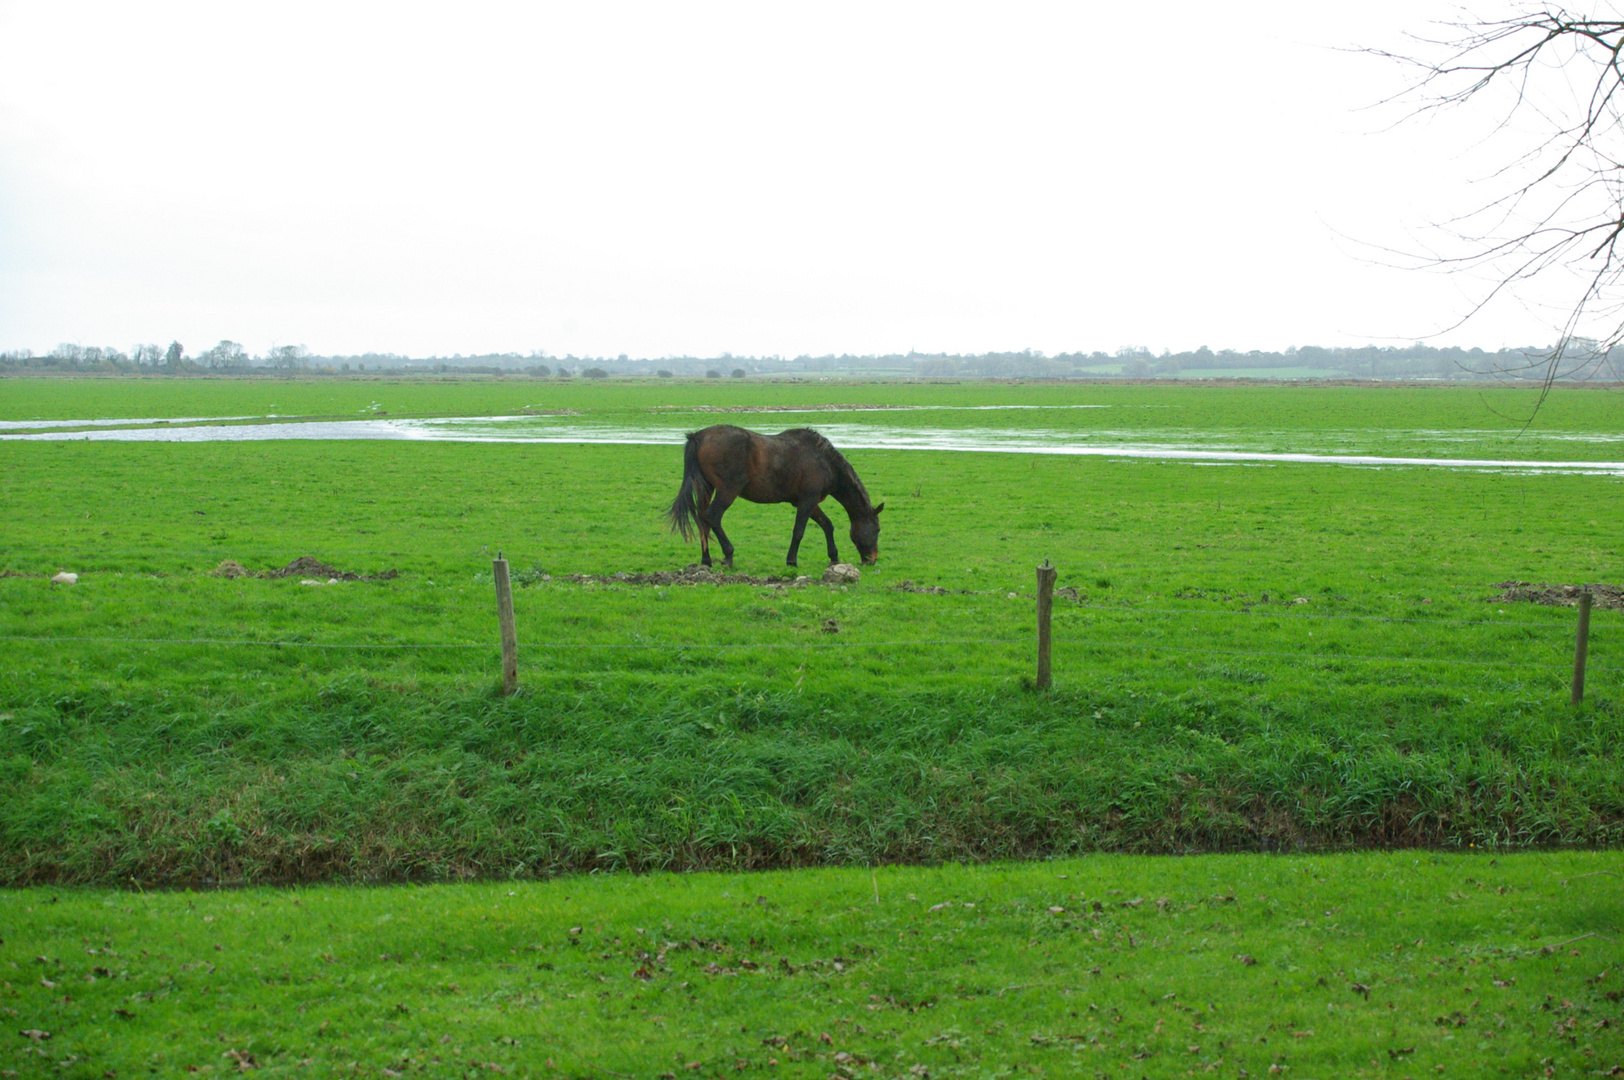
x: 690, y: 575
x: 302, y: 567
x: 695, y: 574
x: 1523, y: 592
x: 836, y: 407
x: 908, y: 585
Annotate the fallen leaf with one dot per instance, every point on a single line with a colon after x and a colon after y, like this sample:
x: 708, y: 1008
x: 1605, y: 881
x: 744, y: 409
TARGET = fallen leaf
x: 243, y: 1058
x: 35, y: 1033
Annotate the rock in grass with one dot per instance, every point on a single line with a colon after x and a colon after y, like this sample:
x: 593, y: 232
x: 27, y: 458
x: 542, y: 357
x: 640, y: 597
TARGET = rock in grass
x: 65, y: 578
x: 841, y: 574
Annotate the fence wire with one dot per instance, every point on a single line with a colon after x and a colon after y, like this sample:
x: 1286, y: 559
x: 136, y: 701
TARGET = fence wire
x: 578, y: 646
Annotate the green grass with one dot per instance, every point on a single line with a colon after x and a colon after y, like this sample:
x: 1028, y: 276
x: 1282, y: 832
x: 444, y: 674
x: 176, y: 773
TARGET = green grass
x: 1277, y: 657
x: 1380, y: 965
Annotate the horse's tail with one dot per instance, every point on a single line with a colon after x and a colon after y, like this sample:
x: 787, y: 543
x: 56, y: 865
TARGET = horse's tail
x: 684, y: 512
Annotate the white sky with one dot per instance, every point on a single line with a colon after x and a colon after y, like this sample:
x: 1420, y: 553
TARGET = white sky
x: 661, y: 179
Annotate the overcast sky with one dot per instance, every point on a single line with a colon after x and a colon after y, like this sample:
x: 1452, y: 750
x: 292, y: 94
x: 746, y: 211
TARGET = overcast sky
x: 662, y: 179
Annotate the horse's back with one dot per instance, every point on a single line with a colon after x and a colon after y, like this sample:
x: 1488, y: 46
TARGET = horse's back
x: 722, y: 436
x: 786, y: 467
x: 803, y: 437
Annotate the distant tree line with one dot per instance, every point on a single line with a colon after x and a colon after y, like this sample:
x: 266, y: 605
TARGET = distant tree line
x: 1406, y: 362
x: 1416, y: 361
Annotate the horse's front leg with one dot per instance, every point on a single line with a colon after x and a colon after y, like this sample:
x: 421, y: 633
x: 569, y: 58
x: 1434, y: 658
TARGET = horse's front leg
x: 801, y: 514
x: 718, y: 507
x: 828, y: 527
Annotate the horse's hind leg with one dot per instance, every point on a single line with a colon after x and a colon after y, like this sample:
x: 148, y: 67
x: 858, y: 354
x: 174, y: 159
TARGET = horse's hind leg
x: 704, y: 530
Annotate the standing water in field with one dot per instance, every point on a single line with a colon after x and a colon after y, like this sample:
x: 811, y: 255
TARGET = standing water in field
x: 670, y: 428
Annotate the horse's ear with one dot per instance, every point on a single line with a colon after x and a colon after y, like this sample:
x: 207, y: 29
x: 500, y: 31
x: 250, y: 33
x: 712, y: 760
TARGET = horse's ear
x: 878, y: 508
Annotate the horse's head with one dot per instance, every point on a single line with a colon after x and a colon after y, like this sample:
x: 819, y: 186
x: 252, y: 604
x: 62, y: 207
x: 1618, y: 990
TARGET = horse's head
x: 865, y: 533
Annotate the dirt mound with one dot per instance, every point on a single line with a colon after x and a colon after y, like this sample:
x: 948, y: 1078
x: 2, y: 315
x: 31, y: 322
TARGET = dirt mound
x: 1602, y: 596
x: 302, y: 567
x: 689, y: 575
x: 305, y: 566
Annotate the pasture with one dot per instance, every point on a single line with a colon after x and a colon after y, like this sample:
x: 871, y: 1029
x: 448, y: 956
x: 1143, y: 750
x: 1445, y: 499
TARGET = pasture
x: 1255, y: 656
x: 1259, y: 656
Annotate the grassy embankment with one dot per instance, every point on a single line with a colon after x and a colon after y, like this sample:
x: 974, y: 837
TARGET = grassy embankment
x: 701, y: 726
x: 1370, y: 965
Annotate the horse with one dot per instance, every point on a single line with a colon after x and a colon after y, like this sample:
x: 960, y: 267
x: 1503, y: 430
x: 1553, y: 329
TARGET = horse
x: 800, y: 467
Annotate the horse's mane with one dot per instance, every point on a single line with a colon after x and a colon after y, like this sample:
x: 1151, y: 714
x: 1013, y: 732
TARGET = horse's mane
x: 848, y: 479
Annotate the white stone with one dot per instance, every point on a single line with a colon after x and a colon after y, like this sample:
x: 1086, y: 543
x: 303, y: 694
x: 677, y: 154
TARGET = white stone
x: 65, y: 578
x: 841, y: 573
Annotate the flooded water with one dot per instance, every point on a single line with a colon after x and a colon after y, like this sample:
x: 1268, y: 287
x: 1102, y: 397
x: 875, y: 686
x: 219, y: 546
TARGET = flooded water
x: 1233, y: 448
x: 27, y: 425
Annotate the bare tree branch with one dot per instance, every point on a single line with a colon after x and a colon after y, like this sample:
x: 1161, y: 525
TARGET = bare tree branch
x: 1556, y: 78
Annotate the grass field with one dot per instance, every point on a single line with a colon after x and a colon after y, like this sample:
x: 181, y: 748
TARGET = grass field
x: 1265, y: 657
x: 1393, y: 965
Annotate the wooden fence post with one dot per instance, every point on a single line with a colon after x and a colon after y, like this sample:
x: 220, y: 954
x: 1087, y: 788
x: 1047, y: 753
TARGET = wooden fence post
x: 504, y: 615
x: 1581, y: 646
x: 1046, y: 576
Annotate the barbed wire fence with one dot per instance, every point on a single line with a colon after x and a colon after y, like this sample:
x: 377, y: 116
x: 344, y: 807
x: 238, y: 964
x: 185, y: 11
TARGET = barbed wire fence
x: 1044, y: 640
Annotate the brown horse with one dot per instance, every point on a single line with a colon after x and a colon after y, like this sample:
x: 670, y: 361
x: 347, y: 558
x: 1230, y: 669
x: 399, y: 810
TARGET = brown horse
x: 724, y: 462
